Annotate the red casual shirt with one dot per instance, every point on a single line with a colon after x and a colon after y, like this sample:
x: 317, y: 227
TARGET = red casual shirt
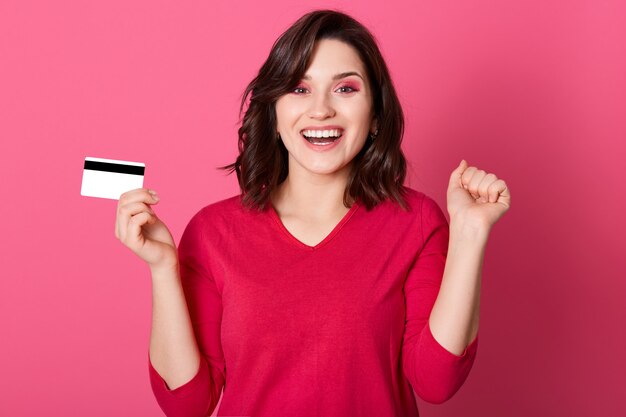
x: 336, y: 329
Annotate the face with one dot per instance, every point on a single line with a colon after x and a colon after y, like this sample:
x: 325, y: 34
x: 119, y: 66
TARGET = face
x: 333, y: 98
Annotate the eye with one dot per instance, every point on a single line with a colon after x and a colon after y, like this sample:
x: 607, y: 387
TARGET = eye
x: 350, y: 89
x: 299, y: 90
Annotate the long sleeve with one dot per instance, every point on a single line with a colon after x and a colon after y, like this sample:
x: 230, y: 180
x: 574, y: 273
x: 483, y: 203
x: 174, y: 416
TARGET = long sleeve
x: 199, y: 396
x: 434, y: 373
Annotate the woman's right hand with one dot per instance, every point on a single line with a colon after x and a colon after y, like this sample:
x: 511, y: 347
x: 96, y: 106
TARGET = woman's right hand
x: 138, y: 227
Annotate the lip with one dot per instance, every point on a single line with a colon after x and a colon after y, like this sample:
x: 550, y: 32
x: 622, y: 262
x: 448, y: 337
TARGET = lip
x: 328, y: 127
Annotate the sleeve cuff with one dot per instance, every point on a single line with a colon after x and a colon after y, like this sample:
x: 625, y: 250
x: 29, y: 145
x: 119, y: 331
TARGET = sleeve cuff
x: 196, y: 386
x: 440, y: 373
x: 443, y: 353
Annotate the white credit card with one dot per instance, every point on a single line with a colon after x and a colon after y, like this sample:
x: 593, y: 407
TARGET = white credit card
x: 110, y: 178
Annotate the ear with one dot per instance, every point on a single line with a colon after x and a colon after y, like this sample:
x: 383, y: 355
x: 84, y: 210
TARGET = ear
x: 374, y: 126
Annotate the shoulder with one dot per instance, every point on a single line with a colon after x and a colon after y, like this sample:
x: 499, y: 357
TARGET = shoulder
x: 413, y: 197
x: 426, y: 202
x: 224, y: 213
x: 227, y: 207
x: 420, y: 208
x: 424, y: 206
x: 419, y: 202
x: 432, y: 217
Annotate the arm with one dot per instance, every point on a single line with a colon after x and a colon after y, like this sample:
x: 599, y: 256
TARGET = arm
x: 186, y: 363
x: 173, y: 349
x: 476, y: 200
x: 454, y: 317
x: 434, y: 372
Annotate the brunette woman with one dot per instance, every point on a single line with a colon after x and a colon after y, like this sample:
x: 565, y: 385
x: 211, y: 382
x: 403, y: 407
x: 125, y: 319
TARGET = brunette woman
x: 326, y: 287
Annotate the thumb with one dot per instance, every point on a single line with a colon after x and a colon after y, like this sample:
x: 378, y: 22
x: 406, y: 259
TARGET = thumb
x: 455, y: 177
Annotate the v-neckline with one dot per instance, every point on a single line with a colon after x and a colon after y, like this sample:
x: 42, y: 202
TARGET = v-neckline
x: 274, y: 215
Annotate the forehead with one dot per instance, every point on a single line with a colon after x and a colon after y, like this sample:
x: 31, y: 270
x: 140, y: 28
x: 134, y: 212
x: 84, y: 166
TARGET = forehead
x: 331, y: 57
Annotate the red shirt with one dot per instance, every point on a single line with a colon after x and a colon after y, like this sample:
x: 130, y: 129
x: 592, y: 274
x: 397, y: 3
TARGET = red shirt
x: 336, y: 329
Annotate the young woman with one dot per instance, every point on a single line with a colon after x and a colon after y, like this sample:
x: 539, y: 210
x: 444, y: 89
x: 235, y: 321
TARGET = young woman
x: 326, y: 287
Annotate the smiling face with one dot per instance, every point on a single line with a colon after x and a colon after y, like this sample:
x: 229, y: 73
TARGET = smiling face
x: 333, y: 98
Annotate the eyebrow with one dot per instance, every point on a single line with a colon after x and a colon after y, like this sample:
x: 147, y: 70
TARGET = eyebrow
x: 339, y: 76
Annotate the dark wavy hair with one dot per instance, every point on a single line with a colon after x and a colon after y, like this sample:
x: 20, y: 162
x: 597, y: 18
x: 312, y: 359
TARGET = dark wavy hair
x: 378, y: 170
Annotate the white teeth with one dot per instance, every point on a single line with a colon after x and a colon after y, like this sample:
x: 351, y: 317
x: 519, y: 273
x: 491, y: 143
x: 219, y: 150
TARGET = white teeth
x: 321, y: 133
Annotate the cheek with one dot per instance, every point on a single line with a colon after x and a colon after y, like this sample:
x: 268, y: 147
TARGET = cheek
x: 360, y: 111
x: 280, y: 110
x: 287, y: 112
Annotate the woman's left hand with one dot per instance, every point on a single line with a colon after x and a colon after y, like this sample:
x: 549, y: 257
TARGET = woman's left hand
x: 476, y: 196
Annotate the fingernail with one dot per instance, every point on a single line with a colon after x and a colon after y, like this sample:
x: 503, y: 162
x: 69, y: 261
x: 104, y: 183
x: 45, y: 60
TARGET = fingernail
x: 152, y: 192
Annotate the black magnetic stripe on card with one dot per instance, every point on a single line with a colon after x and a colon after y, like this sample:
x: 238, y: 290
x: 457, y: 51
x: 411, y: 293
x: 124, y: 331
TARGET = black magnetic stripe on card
x: 110, y: 167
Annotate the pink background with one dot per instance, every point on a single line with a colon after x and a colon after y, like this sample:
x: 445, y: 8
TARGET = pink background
x: 533, y: 91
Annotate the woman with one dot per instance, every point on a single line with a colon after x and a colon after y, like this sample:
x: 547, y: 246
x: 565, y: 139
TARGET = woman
x: 326, y: 288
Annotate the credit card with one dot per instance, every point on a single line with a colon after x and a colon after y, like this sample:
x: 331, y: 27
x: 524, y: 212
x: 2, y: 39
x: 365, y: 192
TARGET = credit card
x: 110, y: 178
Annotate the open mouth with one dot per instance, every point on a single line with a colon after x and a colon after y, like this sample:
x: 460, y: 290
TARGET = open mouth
x: 322, y: 137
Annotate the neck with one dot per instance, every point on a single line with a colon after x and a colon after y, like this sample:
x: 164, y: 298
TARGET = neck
x: 312, y: 196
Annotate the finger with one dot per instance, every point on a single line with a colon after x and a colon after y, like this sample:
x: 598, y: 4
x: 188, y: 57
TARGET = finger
x: 145, y: 195
x: 126, y: 212
x: 467, y: 176
x: 495, y: 189
x: 134, y: 236
x: 138, y: 194
x: 472, y: 187
x: 455, y: 176
x: 483, y: 186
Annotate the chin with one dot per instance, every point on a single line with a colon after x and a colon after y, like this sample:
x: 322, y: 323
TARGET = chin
x: 328, y: 170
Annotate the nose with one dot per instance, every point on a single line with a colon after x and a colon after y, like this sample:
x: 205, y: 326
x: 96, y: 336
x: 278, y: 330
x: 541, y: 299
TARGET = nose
x: 321, y: 107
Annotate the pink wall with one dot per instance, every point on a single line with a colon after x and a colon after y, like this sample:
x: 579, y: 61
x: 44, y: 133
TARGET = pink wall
x: 534, y: 91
